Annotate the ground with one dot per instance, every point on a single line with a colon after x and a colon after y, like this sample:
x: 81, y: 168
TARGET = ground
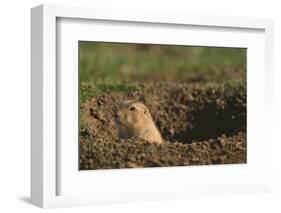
x: 201, y: 124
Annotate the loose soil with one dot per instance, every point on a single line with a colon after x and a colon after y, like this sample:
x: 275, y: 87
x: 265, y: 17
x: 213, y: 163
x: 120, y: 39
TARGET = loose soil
x: 201, y: 124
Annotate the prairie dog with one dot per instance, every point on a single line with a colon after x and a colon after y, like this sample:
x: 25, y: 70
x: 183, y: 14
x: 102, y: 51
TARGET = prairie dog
x: 134, y: 120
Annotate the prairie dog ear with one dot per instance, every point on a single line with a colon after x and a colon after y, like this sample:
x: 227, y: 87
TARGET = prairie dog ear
x: 146, y: 112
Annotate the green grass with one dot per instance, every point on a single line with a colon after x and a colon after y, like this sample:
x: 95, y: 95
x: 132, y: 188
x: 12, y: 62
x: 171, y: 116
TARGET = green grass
x: 116, y: 63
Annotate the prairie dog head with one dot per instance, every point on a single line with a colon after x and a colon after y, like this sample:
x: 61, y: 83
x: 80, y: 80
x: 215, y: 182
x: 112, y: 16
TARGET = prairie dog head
x: 134, y: 119
x: 132, y: 114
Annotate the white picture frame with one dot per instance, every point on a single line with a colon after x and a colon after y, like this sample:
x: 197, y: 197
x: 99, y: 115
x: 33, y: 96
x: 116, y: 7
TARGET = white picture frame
x: 50, y: 188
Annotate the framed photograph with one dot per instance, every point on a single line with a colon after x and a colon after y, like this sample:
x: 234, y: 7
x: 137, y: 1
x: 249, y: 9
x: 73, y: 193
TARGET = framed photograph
x: 130, y: 106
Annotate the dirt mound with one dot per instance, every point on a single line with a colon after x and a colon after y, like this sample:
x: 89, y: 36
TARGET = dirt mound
x: 202, y: 124
x: 135, y: 153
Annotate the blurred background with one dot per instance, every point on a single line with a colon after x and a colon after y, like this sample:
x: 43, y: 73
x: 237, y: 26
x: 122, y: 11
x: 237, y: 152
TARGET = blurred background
x: 117, y: 63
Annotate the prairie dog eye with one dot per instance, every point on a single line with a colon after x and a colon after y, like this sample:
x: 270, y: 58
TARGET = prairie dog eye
x: 132, y: 108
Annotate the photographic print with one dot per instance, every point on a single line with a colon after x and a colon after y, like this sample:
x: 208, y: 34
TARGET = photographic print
x: 154, y: 105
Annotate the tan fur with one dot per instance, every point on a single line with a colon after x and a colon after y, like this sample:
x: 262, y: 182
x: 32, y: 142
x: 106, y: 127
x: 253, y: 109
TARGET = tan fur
x: 134, y: 120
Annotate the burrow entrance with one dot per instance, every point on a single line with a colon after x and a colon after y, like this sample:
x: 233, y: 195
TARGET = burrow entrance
x: 202, y: 116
